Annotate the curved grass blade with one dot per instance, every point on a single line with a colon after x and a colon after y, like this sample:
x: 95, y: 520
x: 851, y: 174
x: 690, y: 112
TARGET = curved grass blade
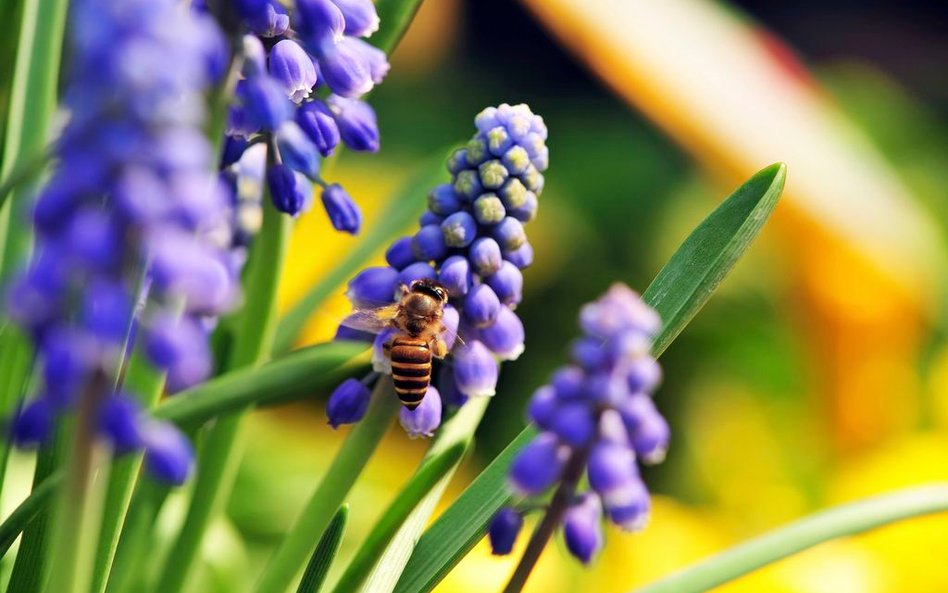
x: 679, y: 291
x: 395, y: 16
x: 841, y: 521
x: 325, y: 553
x: 428, y: 474
x: 403, y: 207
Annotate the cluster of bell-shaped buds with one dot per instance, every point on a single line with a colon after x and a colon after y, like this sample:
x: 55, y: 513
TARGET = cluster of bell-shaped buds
x: 302, y: 77
x: 128, y: 228
x: 472, y: 242
x: 596, y: 417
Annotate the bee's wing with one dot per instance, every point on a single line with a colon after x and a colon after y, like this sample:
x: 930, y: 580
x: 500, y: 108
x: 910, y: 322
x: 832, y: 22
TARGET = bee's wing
x: 371, y: 319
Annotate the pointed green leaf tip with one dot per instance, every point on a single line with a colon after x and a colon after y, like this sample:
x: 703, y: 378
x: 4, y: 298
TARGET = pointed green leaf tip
x: 679, y: 291
x: 325, y: 553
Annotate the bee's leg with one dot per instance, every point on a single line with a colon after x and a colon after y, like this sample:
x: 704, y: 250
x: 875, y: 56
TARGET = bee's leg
x: 439, y: 348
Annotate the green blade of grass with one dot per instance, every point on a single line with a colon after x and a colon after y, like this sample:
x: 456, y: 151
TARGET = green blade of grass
x: 679, y: 291
x: 315, y: 574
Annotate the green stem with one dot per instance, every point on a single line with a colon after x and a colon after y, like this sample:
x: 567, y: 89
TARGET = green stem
x: 221, y: 450
x: 346, y: 467
x: 125, y: 574
x: 841, y: 521
x: 325, y: 553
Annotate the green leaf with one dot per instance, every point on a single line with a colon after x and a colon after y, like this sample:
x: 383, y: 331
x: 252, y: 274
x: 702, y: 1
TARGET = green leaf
x: 24, y: 514
x: 403, y: 208
x: 457, y: 431
x: 679, y: 291
x: 694, y: 272
x: 841, y: 521
x: 429, y: 473
x: 293, y: 376
x: 394, y: 18
x: 325, y: 553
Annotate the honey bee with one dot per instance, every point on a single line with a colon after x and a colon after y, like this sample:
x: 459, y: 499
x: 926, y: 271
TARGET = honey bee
x: 417, y: 318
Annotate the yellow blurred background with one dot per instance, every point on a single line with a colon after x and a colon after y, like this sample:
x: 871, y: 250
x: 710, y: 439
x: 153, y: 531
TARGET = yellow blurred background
x: 818, y: 374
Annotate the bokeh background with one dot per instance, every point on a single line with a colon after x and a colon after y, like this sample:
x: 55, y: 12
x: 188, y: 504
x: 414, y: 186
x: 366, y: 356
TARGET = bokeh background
x: 818, y: 373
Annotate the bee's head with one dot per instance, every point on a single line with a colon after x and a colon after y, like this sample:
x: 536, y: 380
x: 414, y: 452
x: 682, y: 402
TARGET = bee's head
x: 430, y: 288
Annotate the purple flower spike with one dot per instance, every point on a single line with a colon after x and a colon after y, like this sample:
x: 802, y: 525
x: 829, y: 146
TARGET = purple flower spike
x: 537, y: 466
x: 460, y: 229
x: 632, y: 515
x: 522, y: 257
x: 290, y: 191
x: 34, y: 423
x: 292, y: 67
x: 507, y: 283
x: 168, y: 454
x: 425, y: 419
x: 543, y: 406
x: 417, y: 271
x: 357, y: 123
x: 318, y: 122
x: 475, y: 370
x: 373, y: 286
x: 428, y: 244
x: 582, y: 528
x: 443, y: 200
x: 265, y: 103
x: 505, y: 337
x: 120, y: 422
x: 348, y: 403
x: 485, y: 256
x: 343, y: 212
x: 455, y: 275
x: 297, y: 150
x: 509, y: 234
x: 503, y: 531
x: 318, y: 20
x: 481, y: 306
x: 451, y: 320
x: 344, y: 67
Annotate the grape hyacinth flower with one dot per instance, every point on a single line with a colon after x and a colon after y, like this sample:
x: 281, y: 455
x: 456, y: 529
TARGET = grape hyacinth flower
x: 133, y: 189
x: 305, y: 68
x: 471, y: 240
x: 596, y: 417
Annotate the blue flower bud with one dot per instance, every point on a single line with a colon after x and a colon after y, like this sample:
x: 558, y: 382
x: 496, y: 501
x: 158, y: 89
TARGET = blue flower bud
x: 513, y: 194
x: 509, y: 234
x: 647, y: 428
x: 348, y: 403
x: 417, y: 271
x: 255, y: 56
x: 290, y: 191
x: 292, y: 67
x: 318, y: 122
x: 505, y: 336
x: 357, y: 123
x: 443, y: 200
x: 345, y: 333
x: 375, y: 59
x: 574, y: 423
x: 503, y: 531
x: 457, y: 162
x: 606, y: 388
x: 265, y: 103
x: 643, y: 374
x: 381, y: 363
x: 516, y: 160
x: 297, y: 150
x: 429, y: 217
x: 93, y: 238
x: 589, y: 353
x: 234, y: 147
x: 527, y: 211
x: 481, y: 306
x: 425, y: 419
x: 361, y: 18
x: 318, y: 20
x: 477, y: 152
x: 487, y: 120
x: 467, y: 184
x: 569, y: 383
x: 400, y: 255
x: 507, y: 283
x: 373, y: 286
x: 447, y: 387
x: 272, y: 21
x: 537, y: 466
x: 119, y: 421
x: 612, y: 472
x: 428, y: 244
x: 107, y: 311
x: 533, y: 180
x: 498, y: 141
x: 343, y: 212
x: 451, y: 320
x: 345, y: 67
x: 582, y: 528
x: 33, y: 424
x: 542, y: 408
x: 250, y: 9
x: 522, y: 257
x: 475, y: 370
x: 68, y: 357
x: 631, y: 515
x: 460, y: 229
x: 179, y: 345
x: 485, y: 256
x: 488, y: 209
x: 492, y: 174
x: 455, y: 275
x: 168, y: 454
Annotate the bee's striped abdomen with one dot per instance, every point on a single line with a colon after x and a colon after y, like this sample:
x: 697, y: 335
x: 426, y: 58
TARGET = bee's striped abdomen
x: 411, y: 369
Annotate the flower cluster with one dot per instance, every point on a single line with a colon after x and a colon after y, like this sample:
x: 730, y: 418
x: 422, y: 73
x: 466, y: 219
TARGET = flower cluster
x: 471, y: 240
x: 596, y: 416
x: 133, y: 190
x: 302, y: 76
